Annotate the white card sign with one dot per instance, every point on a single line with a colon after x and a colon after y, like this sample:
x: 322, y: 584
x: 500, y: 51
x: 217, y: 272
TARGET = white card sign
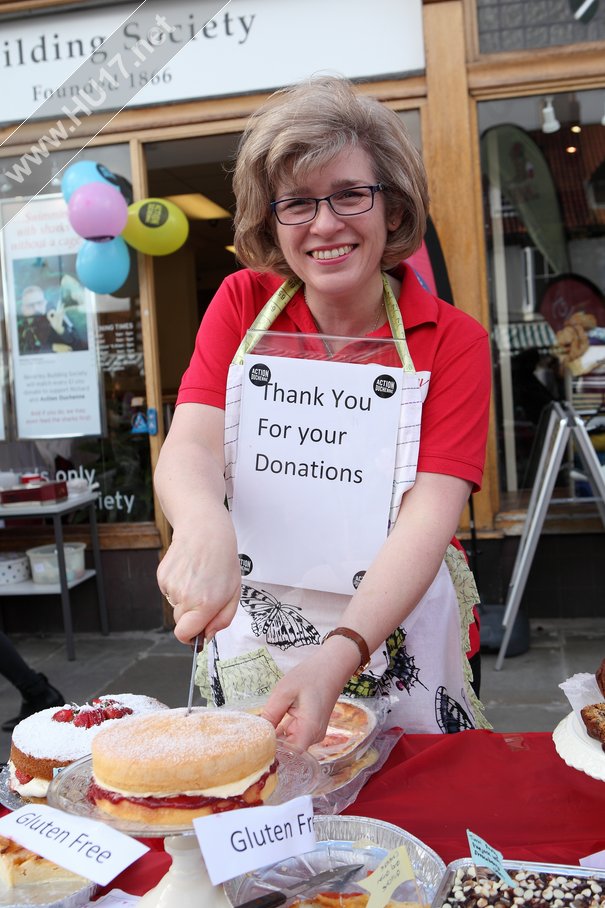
x: 83, y: 846
x: 237, y: 841
x: 314, y: 475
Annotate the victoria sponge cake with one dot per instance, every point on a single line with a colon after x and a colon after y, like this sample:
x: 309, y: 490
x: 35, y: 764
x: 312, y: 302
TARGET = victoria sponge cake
x: 171, y: 767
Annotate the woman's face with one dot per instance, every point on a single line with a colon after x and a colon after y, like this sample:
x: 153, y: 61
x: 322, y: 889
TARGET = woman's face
x: 336, y: 256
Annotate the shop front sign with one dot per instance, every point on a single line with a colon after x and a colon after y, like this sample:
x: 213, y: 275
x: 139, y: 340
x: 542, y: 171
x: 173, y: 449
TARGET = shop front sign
x: 150, y: 53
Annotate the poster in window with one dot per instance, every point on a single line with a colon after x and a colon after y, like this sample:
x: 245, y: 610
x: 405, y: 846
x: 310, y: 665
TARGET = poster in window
x: 51, y: 324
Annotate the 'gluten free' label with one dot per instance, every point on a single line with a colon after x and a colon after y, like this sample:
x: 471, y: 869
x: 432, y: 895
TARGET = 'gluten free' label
x: 237, y: 841
x: 83, y: 846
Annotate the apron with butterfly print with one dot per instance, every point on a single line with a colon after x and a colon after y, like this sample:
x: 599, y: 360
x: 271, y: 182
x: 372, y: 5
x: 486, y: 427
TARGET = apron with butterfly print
x: 421, y: 667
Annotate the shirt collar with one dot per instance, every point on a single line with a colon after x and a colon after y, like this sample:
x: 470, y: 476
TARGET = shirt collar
x: 418, y: 306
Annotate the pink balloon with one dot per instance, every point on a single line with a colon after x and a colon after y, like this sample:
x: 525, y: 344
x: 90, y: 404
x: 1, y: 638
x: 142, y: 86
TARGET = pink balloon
x: 97, y: 211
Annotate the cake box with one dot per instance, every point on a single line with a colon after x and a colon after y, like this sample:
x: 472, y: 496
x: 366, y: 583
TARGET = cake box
x: 32, y: 493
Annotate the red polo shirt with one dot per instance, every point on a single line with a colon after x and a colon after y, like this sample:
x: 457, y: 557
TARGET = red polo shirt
x: 443, y: 341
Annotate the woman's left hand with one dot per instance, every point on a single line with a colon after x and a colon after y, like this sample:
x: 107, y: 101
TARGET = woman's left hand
x: 302, y: 701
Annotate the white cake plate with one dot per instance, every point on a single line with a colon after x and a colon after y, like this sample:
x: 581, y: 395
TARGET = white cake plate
x: 186, y: 884
x: 576, y: 748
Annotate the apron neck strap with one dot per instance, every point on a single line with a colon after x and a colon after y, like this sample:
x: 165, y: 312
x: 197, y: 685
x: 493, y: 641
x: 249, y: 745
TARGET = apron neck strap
x: 396, y: 323
x: 265, y: 318
x: 282, y: 296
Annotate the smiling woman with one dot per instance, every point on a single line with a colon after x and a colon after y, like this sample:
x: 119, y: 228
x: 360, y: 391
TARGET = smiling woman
x: 331, y: 197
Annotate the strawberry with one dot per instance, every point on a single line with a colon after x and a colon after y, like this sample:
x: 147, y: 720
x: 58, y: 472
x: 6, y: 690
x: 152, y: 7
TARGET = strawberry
x: 86, y: 718
x: 116, y: 712
x: 22, y: 777
x: 81, y: 719
x: 64, y: 715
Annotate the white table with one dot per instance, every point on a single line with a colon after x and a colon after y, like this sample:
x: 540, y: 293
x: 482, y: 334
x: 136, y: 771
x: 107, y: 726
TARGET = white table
x: 28, y: 588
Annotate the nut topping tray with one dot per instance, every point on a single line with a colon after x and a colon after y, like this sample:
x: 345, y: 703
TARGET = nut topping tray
x: 537, y: 886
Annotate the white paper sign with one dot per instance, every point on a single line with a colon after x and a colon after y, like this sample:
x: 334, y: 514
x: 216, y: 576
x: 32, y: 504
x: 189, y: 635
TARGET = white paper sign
x: 83, y: 846
x: 315, y: 462
x: 237, y: 841
x: 50, y: 320
x: 596, y: 860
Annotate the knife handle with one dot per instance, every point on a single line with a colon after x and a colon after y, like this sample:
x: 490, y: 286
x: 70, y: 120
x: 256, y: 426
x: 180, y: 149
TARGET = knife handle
x: 270, y: 900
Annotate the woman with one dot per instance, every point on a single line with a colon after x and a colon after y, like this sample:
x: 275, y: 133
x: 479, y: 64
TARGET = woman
x: 330, y: 193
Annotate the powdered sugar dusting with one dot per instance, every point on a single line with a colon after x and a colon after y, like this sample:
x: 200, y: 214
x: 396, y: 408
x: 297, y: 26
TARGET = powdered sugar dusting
x: 177, y: 736
x: 42, y: 737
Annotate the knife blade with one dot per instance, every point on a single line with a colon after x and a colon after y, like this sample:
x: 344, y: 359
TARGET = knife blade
x: 273, y: 899
x: 192, y: 679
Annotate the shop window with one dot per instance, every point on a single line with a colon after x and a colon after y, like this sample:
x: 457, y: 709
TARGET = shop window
x: 517, y: 25
x: 74, y: 405
x: 543, y: 161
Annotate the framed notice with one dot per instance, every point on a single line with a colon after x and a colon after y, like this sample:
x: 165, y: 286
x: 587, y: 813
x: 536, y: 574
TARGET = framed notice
x: 51, y: 323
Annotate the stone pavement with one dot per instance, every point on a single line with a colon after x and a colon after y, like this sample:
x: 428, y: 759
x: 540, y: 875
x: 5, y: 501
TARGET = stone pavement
x: 523, y: 696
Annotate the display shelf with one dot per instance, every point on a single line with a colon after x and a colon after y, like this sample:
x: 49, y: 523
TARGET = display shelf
x: 29, y: 588
x: 48, y: 509
x: 56, y: 512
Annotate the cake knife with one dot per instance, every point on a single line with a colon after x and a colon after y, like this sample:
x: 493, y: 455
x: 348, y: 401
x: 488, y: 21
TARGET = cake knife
x: 193, y: 668
x: 273, y: 899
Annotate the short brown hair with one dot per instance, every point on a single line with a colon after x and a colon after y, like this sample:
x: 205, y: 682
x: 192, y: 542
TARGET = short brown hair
x: 304, y: 127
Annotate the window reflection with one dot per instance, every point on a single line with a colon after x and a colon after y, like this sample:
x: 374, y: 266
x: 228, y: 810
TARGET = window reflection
x: 119, y: 459
x: 544, y: 225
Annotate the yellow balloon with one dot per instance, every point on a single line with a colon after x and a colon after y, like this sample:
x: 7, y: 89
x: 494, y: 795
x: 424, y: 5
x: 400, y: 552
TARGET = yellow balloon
x: 155, y: 226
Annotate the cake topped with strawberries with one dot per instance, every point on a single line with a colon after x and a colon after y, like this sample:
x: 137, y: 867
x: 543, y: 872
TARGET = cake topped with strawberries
x: 46, y: 742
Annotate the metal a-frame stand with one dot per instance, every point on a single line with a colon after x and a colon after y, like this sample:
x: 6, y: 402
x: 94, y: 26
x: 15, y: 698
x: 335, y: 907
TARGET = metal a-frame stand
x: 564, y: 425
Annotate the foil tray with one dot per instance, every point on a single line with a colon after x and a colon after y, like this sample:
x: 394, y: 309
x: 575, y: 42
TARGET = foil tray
x: 9, y: 798
x: 529, y: 866
x: 345, y: 840
x: 55, y: 894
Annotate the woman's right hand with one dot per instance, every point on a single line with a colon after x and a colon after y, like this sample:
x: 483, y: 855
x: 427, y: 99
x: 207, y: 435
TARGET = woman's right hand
x: 200, y: 573
x: 200, y: 576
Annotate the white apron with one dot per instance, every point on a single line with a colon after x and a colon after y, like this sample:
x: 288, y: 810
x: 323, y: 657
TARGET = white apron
x: 421, y: 668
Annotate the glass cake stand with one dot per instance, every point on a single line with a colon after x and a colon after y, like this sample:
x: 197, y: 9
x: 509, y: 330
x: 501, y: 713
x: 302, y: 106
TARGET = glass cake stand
x: 186, y: 884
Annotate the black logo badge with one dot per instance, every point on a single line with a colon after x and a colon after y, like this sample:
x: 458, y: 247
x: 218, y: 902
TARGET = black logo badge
x: 358, y: 578
x: 245, y: 564
x: 385, y: 386
x: 153, y: 213
x: 260, y: 375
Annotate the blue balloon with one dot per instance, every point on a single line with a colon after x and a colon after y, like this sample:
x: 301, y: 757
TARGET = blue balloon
x: 83, y: 172
x: 103, y: 267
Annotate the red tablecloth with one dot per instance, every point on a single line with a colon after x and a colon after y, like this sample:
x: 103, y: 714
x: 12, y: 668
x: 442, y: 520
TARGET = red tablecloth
x: 511, y: 789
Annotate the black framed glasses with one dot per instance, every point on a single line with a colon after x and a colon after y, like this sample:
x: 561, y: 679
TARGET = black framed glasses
x: 345, y: 203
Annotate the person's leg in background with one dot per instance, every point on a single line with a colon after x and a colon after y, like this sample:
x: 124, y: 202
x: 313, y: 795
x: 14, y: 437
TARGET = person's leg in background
x: 35, y: 689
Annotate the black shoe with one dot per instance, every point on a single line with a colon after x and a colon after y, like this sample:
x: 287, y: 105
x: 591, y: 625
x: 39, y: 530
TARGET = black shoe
x: 46, y: 696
